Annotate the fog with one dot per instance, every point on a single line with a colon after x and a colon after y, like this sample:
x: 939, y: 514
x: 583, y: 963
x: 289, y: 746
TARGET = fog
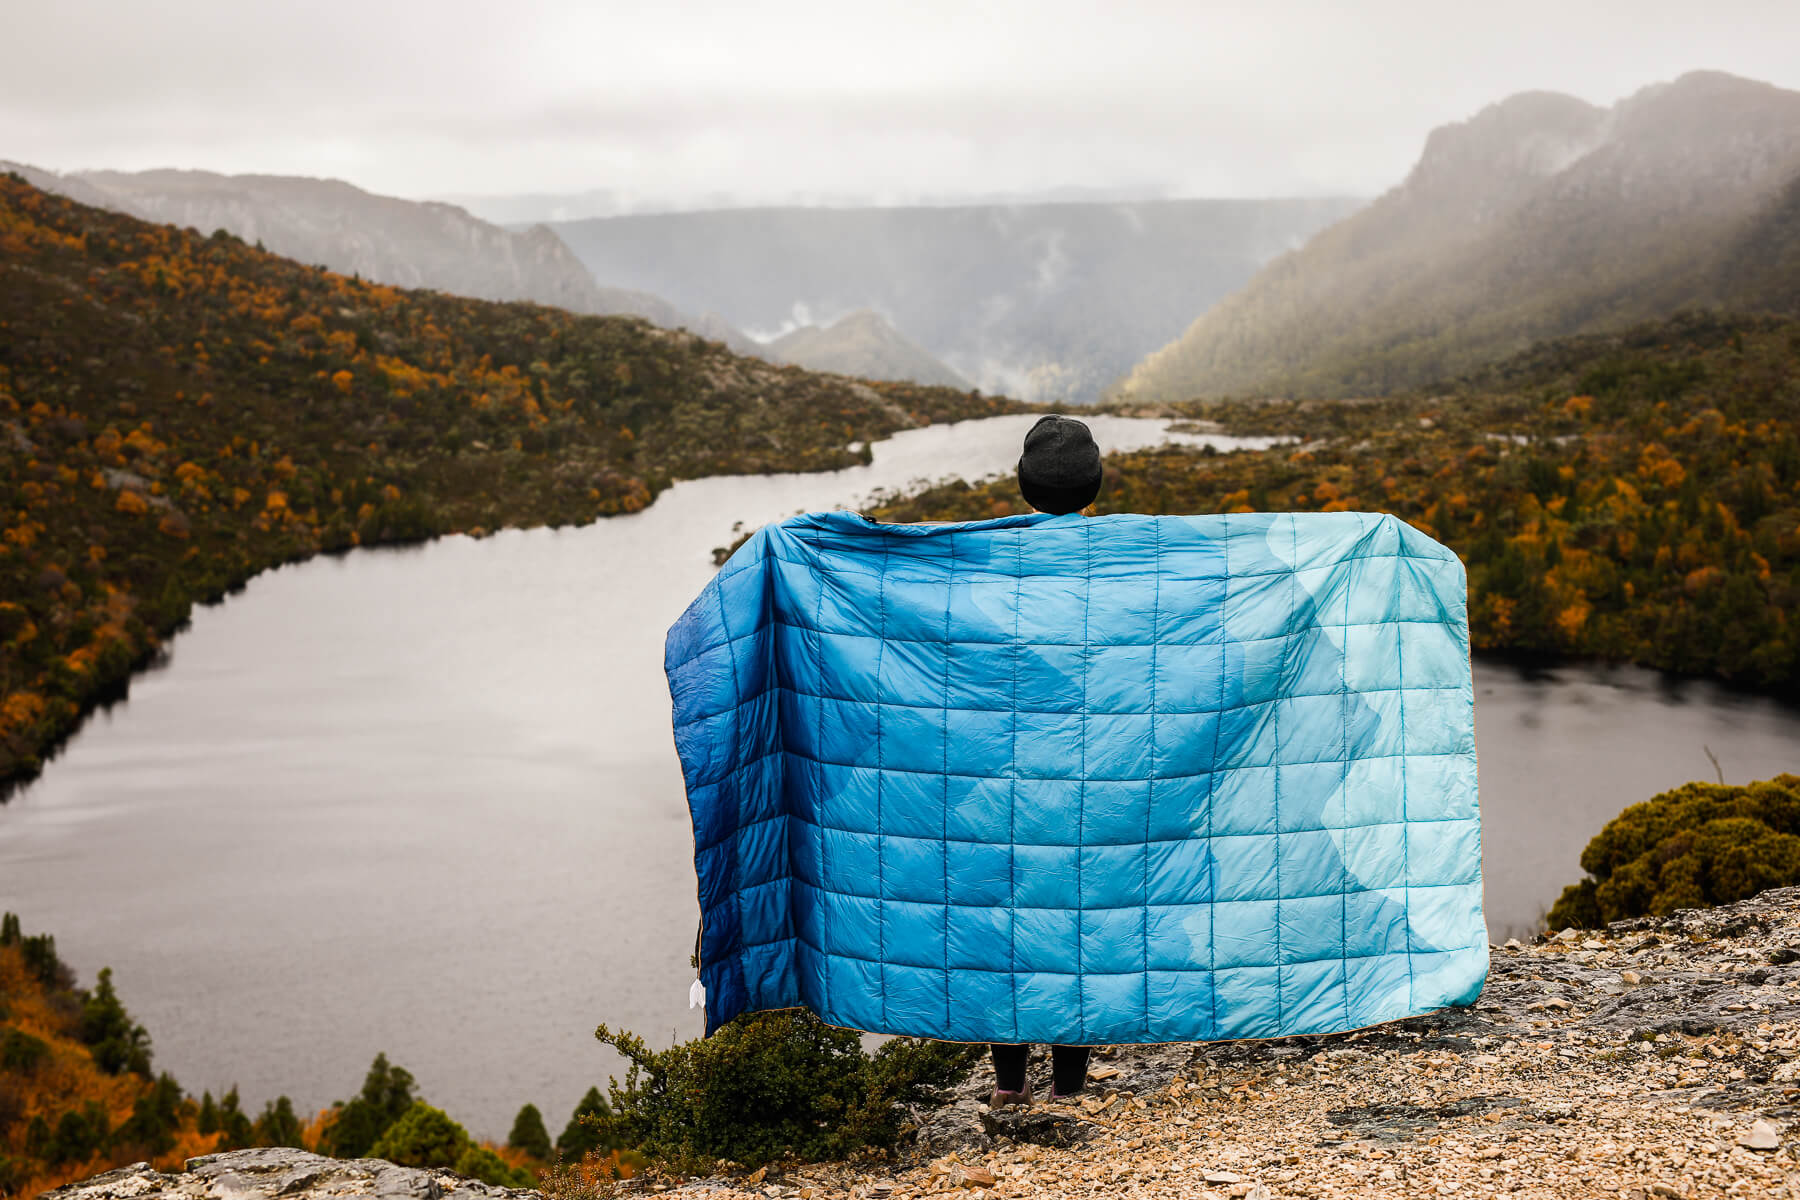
x: 687, y: 104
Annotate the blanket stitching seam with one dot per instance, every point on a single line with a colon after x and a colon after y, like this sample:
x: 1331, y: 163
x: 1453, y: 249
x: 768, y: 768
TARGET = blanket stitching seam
x: 737, y: 870
x: 1212, y: 854
x: 1344, y: 796
x: 880, y: 776
x: 819, y: 770
x: 1012, y: 800
x: 949, y: 602
x: 1405, y: 838
x: 1087, y: 601
x: 1150, y: 785
x: 1287, y: 645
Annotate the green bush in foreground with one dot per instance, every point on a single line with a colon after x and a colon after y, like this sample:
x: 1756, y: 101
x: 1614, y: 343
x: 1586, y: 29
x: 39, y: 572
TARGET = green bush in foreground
x: 427, y: 1137
x: 1698, y: 845
x: 770, y: 1086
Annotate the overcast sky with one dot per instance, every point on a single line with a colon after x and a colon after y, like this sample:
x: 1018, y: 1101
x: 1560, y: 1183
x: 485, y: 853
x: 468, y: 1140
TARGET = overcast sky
x: 791, y: 98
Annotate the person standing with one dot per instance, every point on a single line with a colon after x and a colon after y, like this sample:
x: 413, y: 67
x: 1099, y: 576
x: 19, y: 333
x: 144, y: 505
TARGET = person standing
x: 1059, y: 473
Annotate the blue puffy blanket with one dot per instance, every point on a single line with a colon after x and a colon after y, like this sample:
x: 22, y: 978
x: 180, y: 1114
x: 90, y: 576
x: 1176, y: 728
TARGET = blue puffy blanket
x: 1119, y: 779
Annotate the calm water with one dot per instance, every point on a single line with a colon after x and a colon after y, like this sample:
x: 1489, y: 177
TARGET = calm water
x: 425, y: 801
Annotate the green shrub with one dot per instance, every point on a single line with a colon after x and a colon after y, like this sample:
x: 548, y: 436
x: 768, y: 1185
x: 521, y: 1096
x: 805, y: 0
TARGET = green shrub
x: 423, y: 1137
x: 1698, y: 845
x: 79, y: 1135
x: 478, y: 1162
x: 528, y: 1133
x: 769, y: 1086
x: 21, y: 1052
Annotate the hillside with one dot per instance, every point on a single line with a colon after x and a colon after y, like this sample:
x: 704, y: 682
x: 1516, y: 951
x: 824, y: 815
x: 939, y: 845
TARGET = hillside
x: 77, y: 1095
x: 385, y: 239
x: 1632, y: 498
x: 182, y: 412
x: 76, y: 1090
x: 1542, y: 216
x: 865, y: 345
x: 1048, y: 302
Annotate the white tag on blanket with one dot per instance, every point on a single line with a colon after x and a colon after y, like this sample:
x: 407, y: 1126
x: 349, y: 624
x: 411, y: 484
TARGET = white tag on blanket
x: 697, y: 995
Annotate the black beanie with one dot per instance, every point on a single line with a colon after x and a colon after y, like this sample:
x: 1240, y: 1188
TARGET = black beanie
x: 1060, y: 469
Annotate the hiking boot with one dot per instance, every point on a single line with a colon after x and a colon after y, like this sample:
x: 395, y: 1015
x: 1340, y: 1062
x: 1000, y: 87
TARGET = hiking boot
x: 1000, y: 1099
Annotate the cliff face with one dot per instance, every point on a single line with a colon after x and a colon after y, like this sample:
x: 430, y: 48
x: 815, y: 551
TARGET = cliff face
x: 1539, y: 217
x: 1658, y: 1057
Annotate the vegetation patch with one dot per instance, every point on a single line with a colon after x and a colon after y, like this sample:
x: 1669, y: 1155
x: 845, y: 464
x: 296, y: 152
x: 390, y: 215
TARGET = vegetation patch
x: 1696, y: 846
x: 772, y: 1086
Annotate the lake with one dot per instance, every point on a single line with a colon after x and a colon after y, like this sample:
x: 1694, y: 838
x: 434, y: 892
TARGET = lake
x: 424, y: 801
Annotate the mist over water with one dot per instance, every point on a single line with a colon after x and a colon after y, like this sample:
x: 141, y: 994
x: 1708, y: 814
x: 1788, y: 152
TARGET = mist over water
x: 425, y: 801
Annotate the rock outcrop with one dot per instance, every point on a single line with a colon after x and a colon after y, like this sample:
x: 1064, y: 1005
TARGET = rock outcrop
x: 266, y: 1173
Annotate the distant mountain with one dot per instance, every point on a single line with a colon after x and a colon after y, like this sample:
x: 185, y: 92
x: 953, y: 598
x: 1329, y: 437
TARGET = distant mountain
x: 1047, y: 302
x: 401, y: 242
x: 863, y: 344
x: 1542, y: 216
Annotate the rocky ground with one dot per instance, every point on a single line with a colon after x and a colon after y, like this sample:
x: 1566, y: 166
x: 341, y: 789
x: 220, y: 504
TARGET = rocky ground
x: 1656, y: 1058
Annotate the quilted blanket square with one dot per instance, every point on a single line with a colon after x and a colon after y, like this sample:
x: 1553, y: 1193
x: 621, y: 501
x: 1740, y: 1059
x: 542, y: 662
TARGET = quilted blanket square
x: 1084, y: 780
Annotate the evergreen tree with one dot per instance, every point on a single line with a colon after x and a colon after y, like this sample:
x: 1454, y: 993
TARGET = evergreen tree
x: 41, y: 961
x: 9, y: 929
x: 117, y: 1043
x: 278, y: 1126
x: 208, y: 1121
x: 579, y: 1136
x: 387, y: 1093
x: 528, y: 1134
x: 155, y: 1118
x: 234, y: 1123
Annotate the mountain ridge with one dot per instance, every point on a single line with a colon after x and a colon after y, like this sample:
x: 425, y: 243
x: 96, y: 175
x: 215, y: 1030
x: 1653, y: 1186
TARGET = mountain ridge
x: 1541, y: 216
x: 405, y: 243
x: 1049, y: 301
x: 866, y: 344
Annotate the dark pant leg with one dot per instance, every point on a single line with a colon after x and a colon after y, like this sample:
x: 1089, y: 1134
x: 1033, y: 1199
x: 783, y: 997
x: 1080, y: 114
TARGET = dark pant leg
x: 1068, y: 1069
x: 1009, y: 1066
